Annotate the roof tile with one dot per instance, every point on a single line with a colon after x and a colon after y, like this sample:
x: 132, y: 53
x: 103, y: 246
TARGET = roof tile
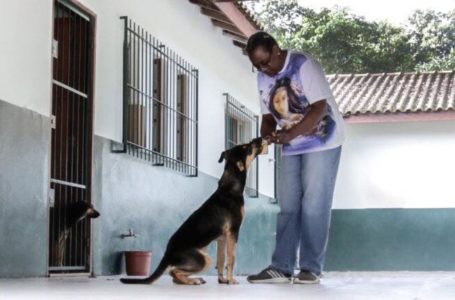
x: 384, y: 93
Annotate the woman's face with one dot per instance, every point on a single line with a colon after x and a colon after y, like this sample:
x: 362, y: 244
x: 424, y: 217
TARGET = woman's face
x: 268, y: 62
x: 280, y: 101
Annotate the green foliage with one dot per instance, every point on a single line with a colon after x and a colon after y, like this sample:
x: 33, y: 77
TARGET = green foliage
x: 432, y: 39
x: 446, y: 62
x: 346, y: 43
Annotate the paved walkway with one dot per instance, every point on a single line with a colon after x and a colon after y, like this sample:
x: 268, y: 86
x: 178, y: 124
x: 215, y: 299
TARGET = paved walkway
x: 335, y: 285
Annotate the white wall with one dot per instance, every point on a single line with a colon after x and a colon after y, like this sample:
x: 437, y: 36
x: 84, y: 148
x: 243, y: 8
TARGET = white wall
x: 25, y: 54
x: 26, y: 65
x: 267, y: 171
x: 397, y: 165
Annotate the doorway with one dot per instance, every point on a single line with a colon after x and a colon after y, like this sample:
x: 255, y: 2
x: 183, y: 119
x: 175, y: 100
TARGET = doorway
x: 71, y: 149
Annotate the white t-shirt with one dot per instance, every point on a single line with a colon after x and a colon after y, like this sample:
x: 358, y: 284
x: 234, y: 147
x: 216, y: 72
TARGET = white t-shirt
x: 288, y: 95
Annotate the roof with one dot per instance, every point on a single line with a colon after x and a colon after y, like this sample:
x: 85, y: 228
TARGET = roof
x: 356, y: 94
x: 233, y: 17
x: 384, y: 93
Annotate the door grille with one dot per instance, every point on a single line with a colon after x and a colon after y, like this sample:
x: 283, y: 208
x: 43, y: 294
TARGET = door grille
x: 69, y: 244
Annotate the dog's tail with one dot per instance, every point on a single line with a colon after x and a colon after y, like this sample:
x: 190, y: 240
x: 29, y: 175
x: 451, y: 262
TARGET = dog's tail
x: 158, y: 272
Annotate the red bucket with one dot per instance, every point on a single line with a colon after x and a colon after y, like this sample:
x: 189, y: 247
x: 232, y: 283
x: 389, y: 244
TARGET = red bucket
x: 137, y: 263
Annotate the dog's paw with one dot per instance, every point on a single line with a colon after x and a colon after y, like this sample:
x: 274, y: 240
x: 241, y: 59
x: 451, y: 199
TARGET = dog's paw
x: 232, y: 281
x: 201, y: 280
x: 222, y: 280
x: 197, y: 281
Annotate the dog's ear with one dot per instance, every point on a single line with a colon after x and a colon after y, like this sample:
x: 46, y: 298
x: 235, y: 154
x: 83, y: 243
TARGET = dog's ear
x: 222, y: 156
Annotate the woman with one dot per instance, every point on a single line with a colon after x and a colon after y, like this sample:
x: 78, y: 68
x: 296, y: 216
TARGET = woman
x: 296, y: 97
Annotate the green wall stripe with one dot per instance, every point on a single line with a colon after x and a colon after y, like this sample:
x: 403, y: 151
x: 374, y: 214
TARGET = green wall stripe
x: 392, y: 239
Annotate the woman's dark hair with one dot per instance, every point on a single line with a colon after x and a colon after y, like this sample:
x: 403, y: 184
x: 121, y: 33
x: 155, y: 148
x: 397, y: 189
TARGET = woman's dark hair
x: 260, y: 38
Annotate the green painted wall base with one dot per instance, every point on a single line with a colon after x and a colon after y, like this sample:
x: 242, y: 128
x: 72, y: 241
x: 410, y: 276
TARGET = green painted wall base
x: 24, y: 181
x: 392, y: 239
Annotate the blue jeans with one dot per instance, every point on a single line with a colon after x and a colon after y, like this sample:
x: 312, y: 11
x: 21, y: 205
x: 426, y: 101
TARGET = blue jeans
x: 305, y: 198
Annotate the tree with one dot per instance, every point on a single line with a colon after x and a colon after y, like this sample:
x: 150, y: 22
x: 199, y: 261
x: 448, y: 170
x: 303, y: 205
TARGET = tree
x: 432, y: 39
x: 346, y: 43
x: 438, y: 63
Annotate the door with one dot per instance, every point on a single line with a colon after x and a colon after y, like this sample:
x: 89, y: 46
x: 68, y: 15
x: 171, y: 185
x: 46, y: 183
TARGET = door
x: 72, y: 105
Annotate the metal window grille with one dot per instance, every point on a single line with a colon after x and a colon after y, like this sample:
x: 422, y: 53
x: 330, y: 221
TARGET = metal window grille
x: 241, y: 127
x: 160, y: 103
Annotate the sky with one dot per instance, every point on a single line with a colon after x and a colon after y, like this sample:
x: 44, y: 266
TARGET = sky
x: 394, y: 11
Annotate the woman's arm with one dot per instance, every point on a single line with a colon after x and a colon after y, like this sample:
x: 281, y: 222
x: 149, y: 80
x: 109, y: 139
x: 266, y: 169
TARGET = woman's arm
x: 307, y: 126
x: 268, y: 126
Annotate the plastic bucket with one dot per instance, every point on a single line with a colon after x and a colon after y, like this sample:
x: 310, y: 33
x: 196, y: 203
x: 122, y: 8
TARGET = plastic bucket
x: 137, y: 263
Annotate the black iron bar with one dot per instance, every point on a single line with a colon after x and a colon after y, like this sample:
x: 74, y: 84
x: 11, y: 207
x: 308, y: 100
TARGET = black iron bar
x: 172, y: 90
x: 166, y: 130
x: 147, y: 91
x: 78, y: 86
x: 135, y: 94
x: 196, y: 133
x: 66, y: 101
x: 144, y: 88
x: 53, y: 209
x: 71, y: 121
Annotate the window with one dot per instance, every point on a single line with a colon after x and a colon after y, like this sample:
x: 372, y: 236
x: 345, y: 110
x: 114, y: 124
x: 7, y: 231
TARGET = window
x: 242, y: 127
x: 160, y: 92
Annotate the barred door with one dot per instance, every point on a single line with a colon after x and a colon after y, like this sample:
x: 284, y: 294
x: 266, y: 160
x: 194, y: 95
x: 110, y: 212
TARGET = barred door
x: 69, y: 239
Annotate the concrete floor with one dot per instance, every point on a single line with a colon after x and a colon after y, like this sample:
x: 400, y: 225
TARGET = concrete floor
x: 334, y: 285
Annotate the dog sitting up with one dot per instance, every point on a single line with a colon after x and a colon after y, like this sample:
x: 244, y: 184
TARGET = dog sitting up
x: 219, y: 218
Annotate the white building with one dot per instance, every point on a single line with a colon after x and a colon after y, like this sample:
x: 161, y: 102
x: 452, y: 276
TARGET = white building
x: 128, y: 105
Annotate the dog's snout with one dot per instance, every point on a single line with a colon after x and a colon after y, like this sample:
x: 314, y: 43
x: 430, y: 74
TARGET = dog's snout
x: 92, y: 213
x: 262, y: 145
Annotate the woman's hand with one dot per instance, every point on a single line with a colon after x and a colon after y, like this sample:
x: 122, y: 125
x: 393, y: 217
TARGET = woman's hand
x: 282, y: 136
x: 307, y: 126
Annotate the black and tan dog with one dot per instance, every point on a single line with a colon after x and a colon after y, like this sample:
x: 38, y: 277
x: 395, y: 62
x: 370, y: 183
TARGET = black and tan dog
x: 74, y: 213
x: 219, y: 218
